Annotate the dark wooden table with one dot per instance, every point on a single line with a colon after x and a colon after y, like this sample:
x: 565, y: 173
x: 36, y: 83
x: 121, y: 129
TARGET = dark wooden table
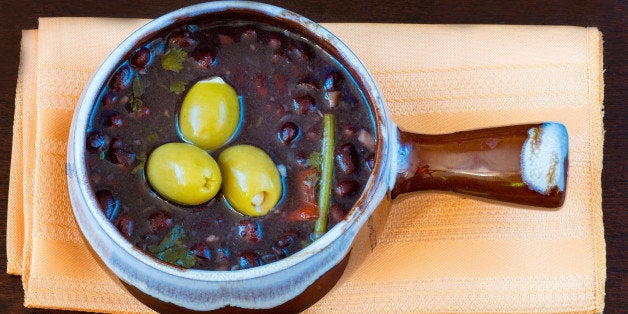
x: 609, y: 16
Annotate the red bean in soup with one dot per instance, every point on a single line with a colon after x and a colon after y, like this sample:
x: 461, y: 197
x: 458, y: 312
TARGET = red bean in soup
x: 270, y: 149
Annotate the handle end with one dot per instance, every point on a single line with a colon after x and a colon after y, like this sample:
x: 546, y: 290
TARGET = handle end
x: 544, y: 159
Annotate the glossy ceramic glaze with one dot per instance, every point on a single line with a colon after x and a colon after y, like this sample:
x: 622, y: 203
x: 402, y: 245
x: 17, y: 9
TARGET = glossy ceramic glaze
x: 271, y: 285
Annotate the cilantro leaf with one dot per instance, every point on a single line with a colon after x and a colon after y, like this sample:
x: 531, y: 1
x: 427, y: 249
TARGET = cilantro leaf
x: 177, y: 87
x: 136, y: 103
x: 172, y: 238
x: 315, y: 160
x: 173, y: 60
x: 142, y: 162
x: 138, y: 87
x: 153, y: 138
x: 171, y: 249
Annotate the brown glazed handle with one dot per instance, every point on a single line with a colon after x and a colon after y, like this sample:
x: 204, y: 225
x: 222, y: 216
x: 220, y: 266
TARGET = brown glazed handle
x: 524, y: 164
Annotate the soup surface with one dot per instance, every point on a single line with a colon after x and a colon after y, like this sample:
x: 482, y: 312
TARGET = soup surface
x: 294, y: 102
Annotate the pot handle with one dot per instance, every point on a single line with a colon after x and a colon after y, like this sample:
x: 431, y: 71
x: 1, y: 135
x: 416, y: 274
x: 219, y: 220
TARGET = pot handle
x: 524, y: 164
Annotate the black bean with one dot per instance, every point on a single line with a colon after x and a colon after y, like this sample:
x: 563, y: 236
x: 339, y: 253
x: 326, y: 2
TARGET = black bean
x: 221, y: 258
x: 249, y: 35
x: 121, y: 80
x: 260, y: 85
x: 288, y: 132
x: 250, y: 230
x: 280, y: 248
x: 280, y: 252
x: 349, y: 131
x: 337, y: 213
x: 125, y: 225
x: 160, y: 221
x: 222, y: 253
x: 303, y: 104
x: 204, y: 57
x: 109, y: 100
x: 346, y: 188
x: 249, y: 260
x: 332, y: 81
x: 115, y: 120
x: 141, y: 58
x: 347, y: 159
x: 278, y: 56
x: 274, y: 41
x: 122, y: 157
x: 116, y: 142
x: 283, y: 243
x: 143, y: 112
x: 201, y: 250
x: 108, y: 203
x: 226, y: 39
x: 370, y: 162
x: 181, y: 38
x: 96, y: 141
x: 286, y: 240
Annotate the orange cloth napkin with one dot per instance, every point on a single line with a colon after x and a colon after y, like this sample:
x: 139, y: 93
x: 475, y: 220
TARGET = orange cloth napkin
x: 437, y: 252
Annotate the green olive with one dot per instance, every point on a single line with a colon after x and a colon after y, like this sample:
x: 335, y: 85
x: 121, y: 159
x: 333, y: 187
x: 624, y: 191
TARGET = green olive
x: 183, y: 173
x: 251, y: 182
x: 210, y: 114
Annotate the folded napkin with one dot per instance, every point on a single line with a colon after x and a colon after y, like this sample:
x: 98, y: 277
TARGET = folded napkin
x: 436, y: 252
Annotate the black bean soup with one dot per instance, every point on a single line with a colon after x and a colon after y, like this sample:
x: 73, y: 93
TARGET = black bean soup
x: 285, y: 86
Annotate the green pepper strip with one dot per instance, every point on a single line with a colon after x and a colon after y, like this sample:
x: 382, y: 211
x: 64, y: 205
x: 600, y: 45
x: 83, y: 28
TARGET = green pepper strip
x: 324, y: 191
